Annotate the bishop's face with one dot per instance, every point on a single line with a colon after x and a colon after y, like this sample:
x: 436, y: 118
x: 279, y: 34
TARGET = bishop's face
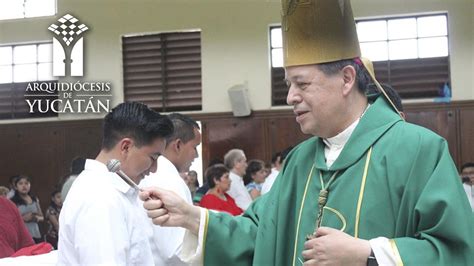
x: 316, y: 99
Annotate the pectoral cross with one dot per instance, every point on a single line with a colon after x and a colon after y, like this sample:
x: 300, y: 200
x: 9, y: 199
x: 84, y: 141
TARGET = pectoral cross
x: 322, y: 199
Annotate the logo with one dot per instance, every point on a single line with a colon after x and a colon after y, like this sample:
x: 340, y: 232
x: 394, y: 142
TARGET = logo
x: 72, y: 95
x: 68, y: 47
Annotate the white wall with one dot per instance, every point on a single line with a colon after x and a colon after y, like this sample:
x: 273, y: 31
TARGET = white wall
x: 234, y: 39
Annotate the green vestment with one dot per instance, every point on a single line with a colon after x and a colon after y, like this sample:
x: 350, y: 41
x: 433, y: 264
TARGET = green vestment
x: 411, y: 194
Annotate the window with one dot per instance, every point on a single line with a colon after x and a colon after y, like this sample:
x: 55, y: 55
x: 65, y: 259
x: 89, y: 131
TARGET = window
x: 279, y: 88
x: 404, y: 38
x: 409, y: 53
x: 20, y: 65
x: 14, y: 9
x: 163, y: 70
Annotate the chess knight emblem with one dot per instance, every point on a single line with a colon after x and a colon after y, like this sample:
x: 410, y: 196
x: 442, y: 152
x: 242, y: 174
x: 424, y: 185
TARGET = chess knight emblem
x: 68, y: 46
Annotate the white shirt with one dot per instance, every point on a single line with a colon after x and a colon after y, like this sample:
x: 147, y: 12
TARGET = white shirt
x: 166, y: 242
x: 469, y: 189
x: 267, y: 185
x: 102, y: 222
x: 238, y: 191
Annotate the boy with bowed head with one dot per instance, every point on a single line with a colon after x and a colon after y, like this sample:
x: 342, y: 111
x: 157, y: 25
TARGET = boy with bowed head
x: 101, y: 221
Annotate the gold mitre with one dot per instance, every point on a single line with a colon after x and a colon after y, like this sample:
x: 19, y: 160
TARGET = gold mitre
x: 318, y: 31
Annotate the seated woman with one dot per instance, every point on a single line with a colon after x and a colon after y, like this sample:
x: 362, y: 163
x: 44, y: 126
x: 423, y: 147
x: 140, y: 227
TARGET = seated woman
x: 257, y: 173
x: 216, y: 199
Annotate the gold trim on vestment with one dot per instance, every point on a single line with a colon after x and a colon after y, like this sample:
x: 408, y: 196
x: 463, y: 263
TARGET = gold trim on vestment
x: 206, y: 225
x: 359, y: 203
x: 300, y: 212
x: 361, y: 194
x: 396, y: 254
x: 339, y: 215
x: 370, y: 69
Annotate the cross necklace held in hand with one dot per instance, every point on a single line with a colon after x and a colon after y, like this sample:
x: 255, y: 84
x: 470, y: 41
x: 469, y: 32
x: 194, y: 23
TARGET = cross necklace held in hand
x: 322, y: 200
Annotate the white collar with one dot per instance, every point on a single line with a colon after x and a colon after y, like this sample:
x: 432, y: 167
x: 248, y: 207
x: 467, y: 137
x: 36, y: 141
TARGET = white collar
x: 341, y: 139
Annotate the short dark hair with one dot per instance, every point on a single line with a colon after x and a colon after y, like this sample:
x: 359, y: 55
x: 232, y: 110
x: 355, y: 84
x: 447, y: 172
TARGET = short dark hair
x: 253, y: 167
x: 276, y: 157
x: 215, y: 172
x: 77, y: 165
x: 391, y: 93
x: 215, y: 161
x: 466, y: 165
x: 195, y: 175
x: 137, y: 121
x: 332, y: 68
x: 19, y: 177
x: 17, y: 199
x: 183, y: 128
x: 53, y: 194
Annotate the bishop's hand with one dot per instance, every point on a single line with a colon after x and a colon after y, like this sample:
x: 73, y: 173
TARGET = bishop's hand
x: 333, y: 247
x: 166, y: 208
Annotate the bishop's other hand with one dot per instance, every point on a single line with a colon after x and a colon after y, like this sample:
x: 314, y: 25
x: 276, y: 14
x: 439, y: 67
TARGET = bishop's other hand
x: 334, y: 247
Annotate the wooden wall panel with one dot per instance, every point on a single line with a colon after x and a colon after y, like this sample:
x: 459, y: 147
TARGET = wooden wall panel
x: 31, y: 153
x: 259, y: 135
x: 240, y: 133
x: 284, y: 132
x: 44, y: 150
x: 466, y: 132
x: 82, y: 140
x: 443, y: 122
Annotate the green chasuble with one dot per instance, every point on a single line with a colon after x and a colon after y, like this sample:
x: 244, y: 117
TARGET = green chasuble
x: 394, y: 180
